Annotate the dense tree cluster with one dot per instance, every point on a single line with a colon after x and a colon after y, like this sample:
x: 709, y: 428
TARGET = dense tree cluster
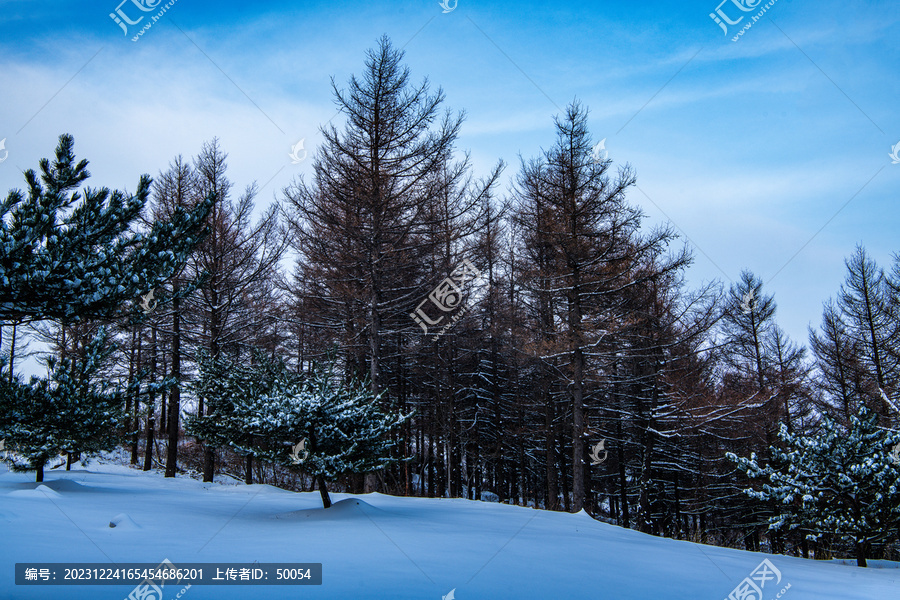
x: 501, y: 336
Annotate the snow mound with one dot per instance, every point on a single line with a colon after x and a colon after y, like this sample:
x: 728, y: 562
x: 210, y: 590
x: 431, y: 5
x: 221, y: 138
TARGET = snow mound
x: 41, y: 491
x: 123, y: 521
x: 65, y: 485
x: 340, y: 510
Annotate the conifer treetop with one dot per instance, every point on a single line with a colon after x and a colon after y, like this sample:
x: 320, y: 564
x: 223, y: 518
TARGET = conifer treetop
x: 69, y: 253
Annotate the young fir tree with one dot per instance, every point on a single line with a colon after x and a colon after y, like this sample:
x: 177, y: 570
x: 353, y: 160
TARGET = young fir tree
x: 70, y: 411
x: 347, y: 429
x: 68, y: 254
x: 839, y: 481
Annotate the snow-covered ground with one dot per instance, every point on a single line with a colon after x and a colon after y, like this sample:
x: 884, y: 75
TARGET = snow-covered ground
x: 375, y: 546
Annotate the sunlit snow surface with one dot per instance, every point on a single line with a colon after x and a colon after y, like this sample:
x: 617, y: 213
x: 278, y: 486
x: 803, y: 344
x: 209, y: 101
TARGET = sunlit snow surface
x: 374, y: 546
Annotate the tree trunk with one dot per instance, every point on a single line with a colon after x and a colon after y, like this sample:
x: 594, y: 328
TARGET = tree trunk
x: 162, y: 396
x: 248, y: 469
x: 148, y: 450
x: 522, y: 472
x: 39, y: 474
x: 567, y: 503
x: 375, y: 340
x: 136, y: 436
x: 450, y: 450
x: 209, y: 454
x: 704, y: 534
x: 209, y: 463
x: 623, y: 480
x: 861, y: 548
x: 175, y: 395
x: 323, y: 491
x: 12, y: 354
x: 499, y: 478
x: 441, y: 469
x: 646, y: 514
x: 135, y: 364
x: 677, y: 509
x: 430, y: 455
x: 577, y: 410
x: 549, y: 441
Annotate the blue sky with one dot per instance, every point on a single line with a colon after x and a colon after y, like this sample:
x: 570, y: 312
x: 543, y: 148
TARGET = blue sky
x: 769, y: 153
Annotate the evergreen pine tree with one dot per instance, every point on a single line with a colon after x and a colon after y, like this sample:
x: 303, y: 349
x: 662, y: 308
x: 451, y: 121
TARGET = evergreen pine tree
x: 838, y: 481
x: 69, y: 411
x: 67, y: 254
x: 265, y: 411
x: 347, y: 430
x: 233, y: 393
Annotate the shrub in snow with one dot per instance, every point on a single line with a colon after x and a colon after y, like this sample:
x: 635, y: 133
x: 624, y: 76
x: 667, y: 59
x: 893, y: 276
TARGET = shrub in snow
x: 489, y: 497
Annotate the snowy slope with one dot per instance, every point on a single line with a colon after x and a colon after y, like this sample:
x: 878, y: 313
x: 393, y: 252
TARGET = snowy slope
x: 374, y: 546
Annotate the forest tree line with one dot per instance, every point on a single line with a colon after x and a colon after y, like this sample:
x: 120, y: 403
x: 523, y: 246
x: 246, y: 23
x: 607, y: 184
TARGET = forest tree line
x: 579, y: 328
